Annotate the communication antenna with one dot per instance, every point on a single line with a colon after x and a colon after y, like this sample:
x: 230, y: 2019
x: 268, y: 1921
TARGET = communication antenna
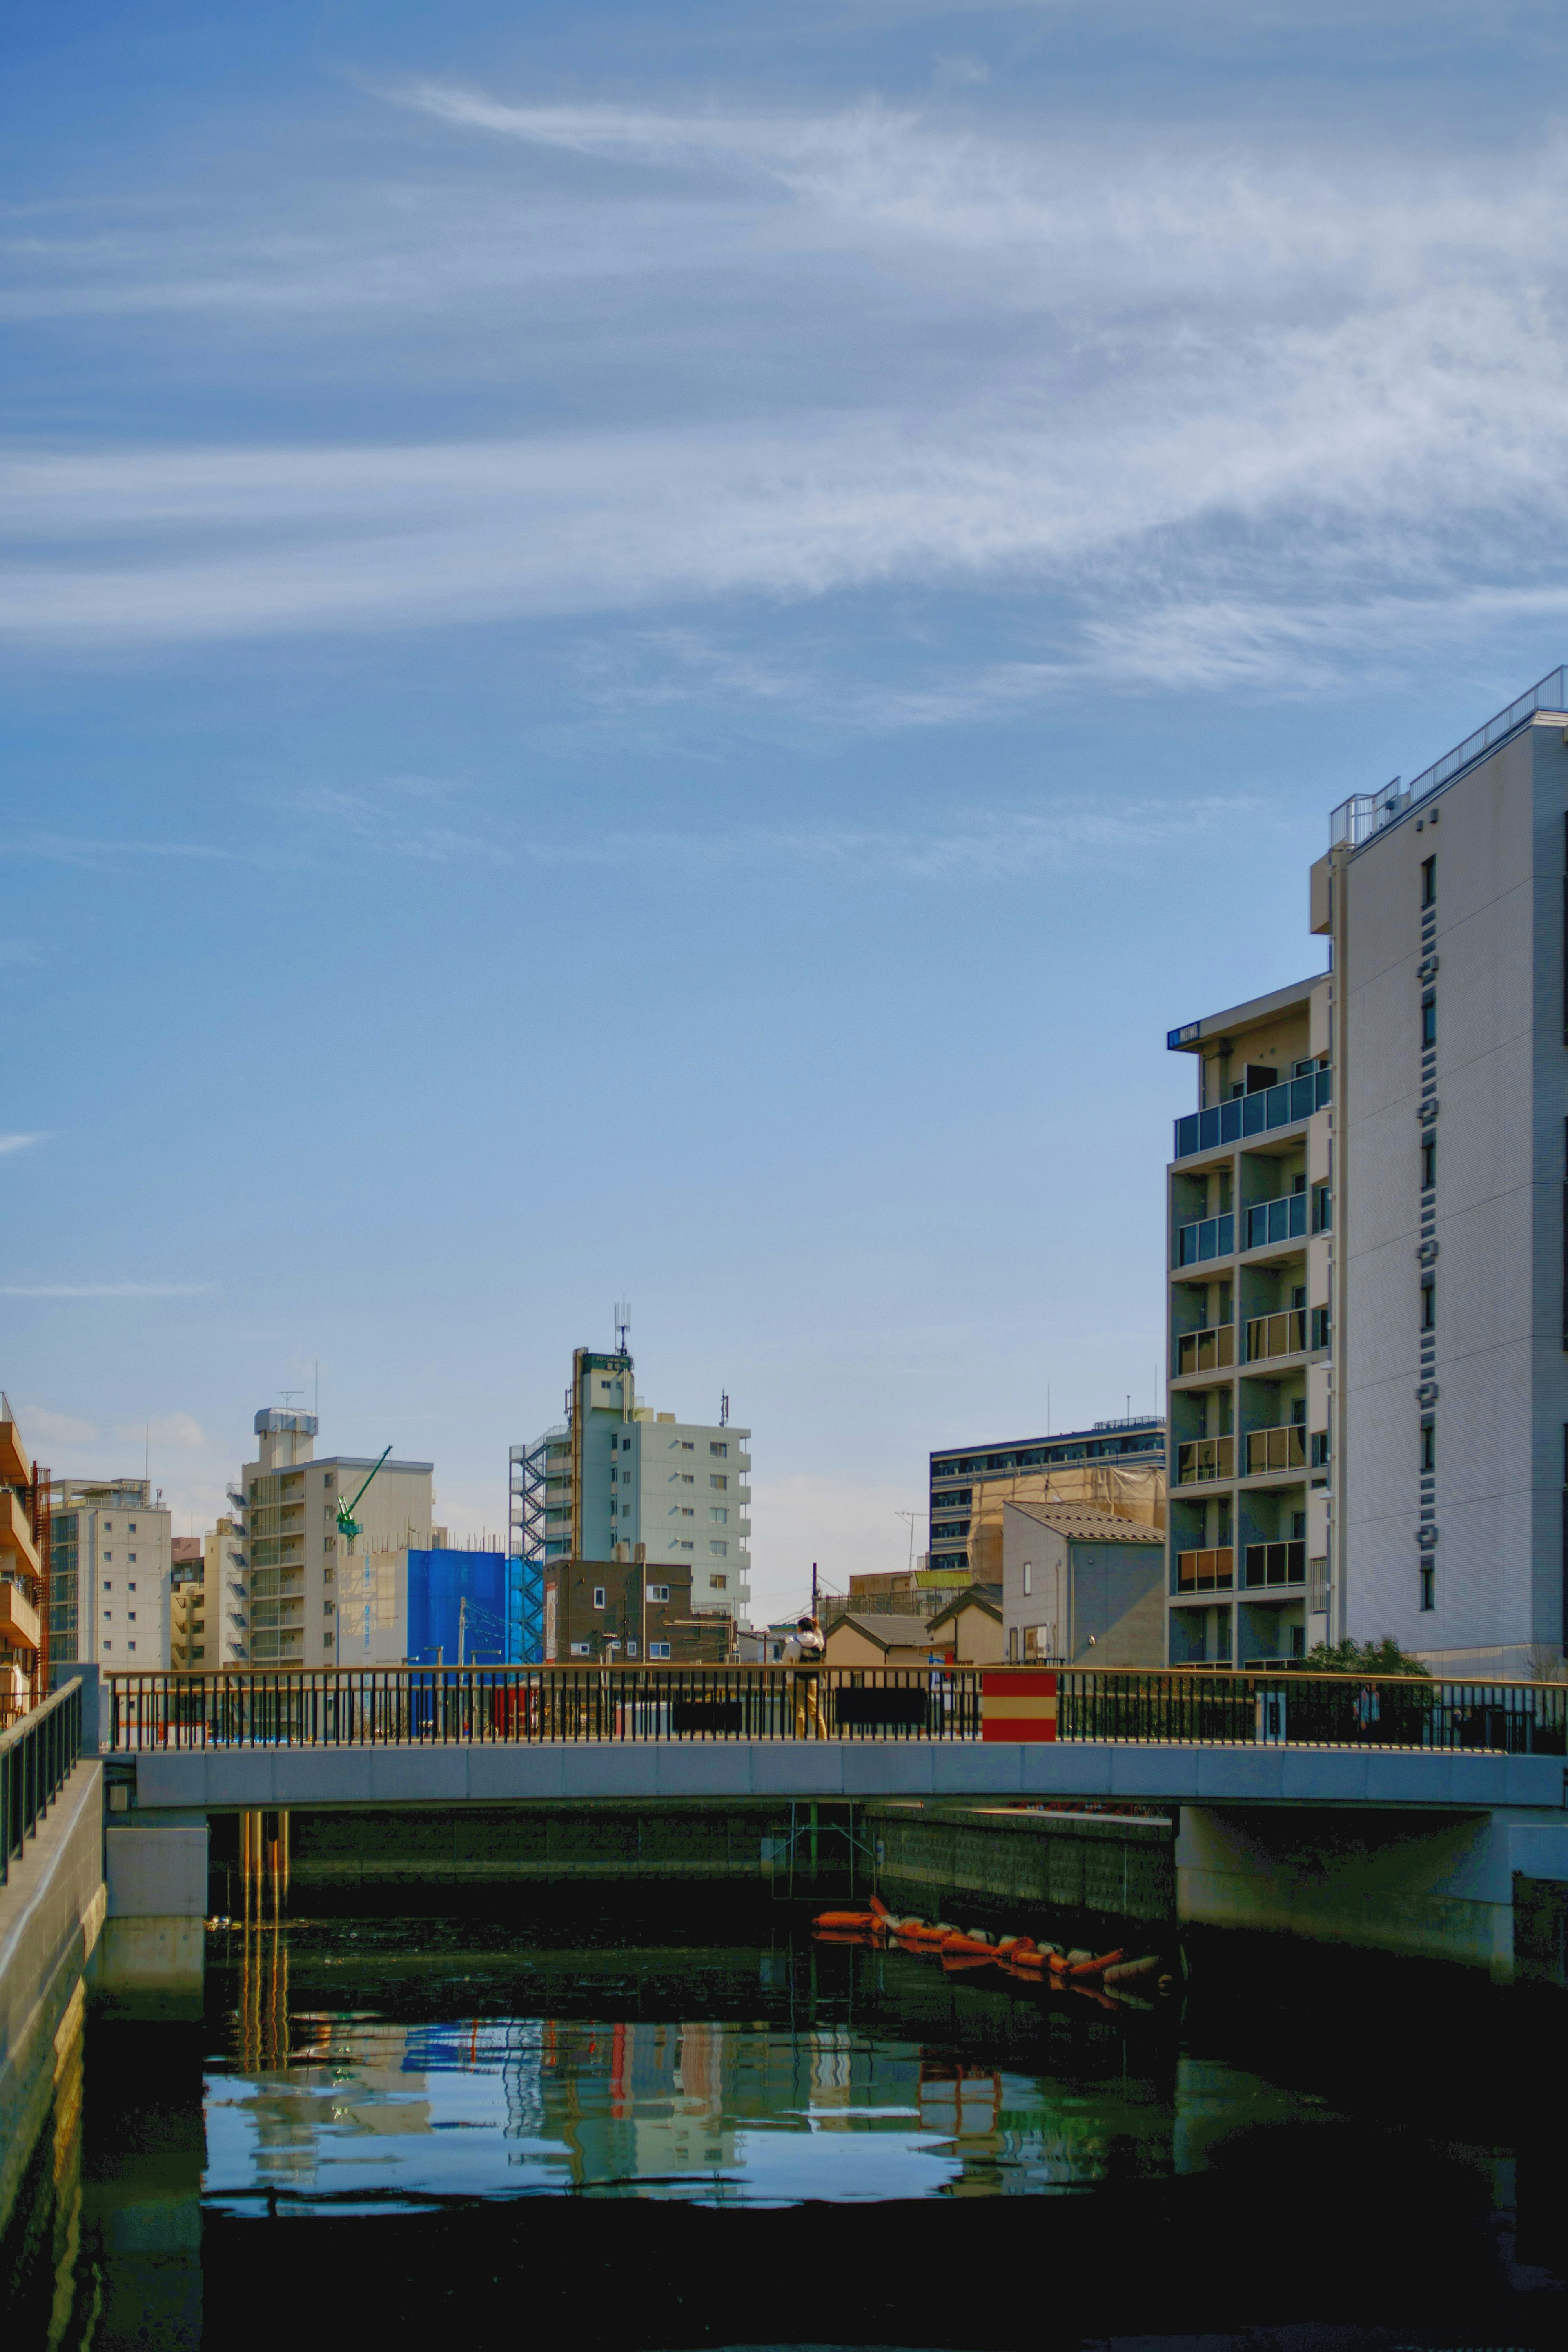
x: 723, y: 1410
x: 622, y: 1324
x: 289, y: 1396
x: 912, y: 1517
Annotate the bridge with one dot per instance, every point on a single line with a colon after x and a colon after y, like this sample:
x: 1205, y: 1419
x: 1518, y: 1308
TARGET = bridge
x: 1427, y: 1818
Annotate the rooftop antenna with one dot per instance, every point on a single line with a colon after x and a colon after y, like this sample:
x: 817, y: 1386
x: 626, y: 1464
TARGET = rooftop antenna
x: 316, y: 1407
x: 911, y: 1517
x: 288, y: 1395
x: 622, y: 1324
x: 723, y: 1410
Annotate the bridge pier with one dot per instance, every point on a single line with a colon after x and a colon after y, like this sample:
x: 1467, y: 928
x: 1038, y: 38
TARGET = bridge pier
x: 151, y: 1957
x: 1428, y: 1886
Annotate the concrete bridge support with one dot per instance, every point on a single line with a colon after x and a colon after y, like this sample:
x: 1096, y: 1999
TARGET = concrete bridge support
x: 1427, y: 1885
x: 151, y: 1957
x: 51, y: 1915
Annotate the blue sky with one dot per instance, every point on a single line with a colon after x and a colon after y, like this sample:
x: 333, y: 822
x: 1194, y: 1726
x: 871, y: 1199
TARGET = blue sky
x: 648, y: 649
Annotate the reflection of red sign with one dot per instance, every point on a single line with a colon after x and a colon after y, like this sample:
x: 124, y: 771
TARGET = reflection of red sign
x: 1017, y: 1704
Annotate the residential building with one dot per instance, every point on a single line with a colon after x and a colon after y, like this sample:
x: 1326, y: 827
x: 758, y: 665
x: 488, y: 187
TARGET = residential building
x: 297, y: 1590
x: 225, y: 1574
x: 627, y: 1611
x: 971, y: 1628
x: 1394, y: 1463
x: 1117, y: 1466
x: 187, y: 1602
x: 879, y: 1640
x: 109, y: 1573
x: 23, y: 1551
x: 1249, y: 1322
x: 1081, y: 1586
x: 616, y: 1475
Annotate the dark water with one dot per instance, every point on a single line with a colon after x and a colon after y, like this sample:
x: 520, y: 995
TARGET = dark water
x: 649, y: 2142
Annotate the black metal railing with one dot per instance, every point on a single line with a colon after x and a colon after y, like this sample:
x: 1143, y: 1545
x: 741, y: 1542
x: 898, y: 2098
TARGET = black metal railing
x: 37, y: 1757
x: 353, y: 1706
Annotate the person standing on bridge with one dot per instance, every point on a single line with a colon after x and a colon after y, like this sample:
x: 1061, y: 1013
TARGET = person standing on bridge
x: 809, y: 1650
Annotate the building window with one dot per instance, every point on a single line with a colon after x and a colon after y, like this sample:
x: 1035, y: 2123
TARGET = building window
x: 1428, y: 1446
x: 1319, y: 1452
x: 1428, y: 1163
x: 718, y: 1515
x: 1028, y: 1578
x: 1320, y: 1331
x: 598, y: 1596
x: 131, y: 1645
x: 131, y: 1526
x: 1428, y: 881
x: 658, y: 1649
x: 718, y: 1550
x: 719, y: 1481
x: 659, y: 1594
x: 1429, y: 1018
x: 1323, y: 1209
x: 720, y: 1451
x: 1428, y: 1586
x: 688, y: 1446
x: 108, y: 1526
x: 1428, y: 1306
x: 719, y: 1582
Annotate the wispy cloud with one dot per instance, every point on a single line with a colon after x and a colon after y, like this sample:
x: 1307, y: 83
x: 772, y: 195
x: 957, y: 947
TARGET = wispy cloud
x: 19, y: 1143
x: 42, y: 1425
x: 107, y: 1289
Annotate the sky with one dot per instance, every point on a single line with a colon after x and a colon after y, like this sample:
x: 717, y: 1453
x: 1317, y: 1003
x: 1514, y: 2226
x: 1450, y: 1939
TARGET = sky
x: 647, y: 649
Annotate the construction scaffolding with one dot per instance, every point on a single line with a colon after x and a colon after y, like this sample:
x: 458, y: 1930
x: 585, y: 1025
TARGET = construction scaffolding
x: 1133, y: 1488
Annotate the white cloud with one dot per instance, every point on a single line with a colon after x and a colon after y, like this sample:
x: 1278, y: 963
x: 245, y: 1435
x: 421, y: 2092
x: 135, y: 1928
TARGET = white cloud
x: 44, y: 1427
x: 18, y: 1142
x: 179, y: 1430
x: 106, y: 1289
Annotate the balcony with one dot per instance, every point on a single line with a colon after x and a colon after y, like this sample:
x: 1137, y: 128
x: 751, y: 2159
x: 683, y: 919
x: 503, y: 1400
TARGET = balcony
x: 1206, y: 1351
x: 1281, y: 1448
x: 1273, y: 1563
x: 18, y: 1617
x: 1277, y: 1335
x: 1283, y: 1220
x: 1271, y: 1107
x: 1205, y: 1457
x: 1206, y: 1572
x: 1213, y: 1237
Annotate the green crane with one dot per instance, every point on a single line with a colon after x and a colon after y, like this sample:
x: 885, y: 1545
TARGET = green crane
x: 348, y: 1525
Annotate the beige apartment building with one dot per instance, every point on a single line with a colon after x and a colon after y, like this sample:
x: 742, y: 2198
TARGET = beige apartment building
x: 296, y: 1591
x: 110, y: 1562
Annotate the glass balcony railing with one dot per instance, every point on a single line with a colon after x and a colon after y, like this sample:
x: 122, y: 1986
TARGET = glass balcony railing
x: 1282, y: 1448
x: 1277, y: 1335
x: 1274, y: 1563
x: 1270, y: 1107
x: 1206, y: 1351
x: 1276, y: 1221
x: 1206, y: 1457
x: 1206, y: 1572
x: 1212, y: 1237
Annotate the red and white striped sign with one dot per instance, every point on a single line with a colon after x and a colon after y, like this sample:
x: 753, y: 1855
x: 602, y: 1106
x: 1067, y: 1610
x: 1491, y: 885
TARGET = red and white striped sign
x: 1017, y: 1703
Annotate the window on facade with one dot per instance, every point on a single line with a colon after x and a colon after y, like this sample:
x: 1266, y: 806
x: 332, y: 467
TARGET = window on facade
x: 1429, y: 1307
x: 131, y: 1528
x: 1028, y: 1578
x: 1319, y: 1448
x: 1429, y: 1017
x: 1323, y: 1209
x: 1428, y: 1162
x: 659, y: 1594
x: 718, y: 1515
x: 1428, y: 881
x: 108, y: 1526
x: 720, y: 1451
x: 1428, y: 1586
x: 132, y: 1586
x: 658, y: 1649
x: 719, y: 1479
x: 1319, y: 1330
x: 598, y: 1596
x: 1428, y: 1447
x: 719, y: 1550
x: 719, y: 1582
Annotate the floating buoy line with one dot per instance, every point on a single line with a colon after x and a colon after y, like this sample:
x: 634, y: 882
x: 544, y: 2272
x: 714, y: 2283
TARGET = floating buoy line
x: 1114, y: 1979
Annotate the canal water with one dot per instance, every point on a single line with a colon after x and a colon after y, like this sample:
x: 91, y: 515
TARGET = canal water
x: 420, y: 2101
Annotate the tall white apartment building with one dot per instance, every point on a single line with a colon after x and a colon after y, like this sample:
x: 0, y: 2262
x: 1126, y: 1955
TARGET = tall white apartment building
x: 295, y: 1591
x: 1369, y: 1288
x: 109, y: 1573
x: 620, y: 1474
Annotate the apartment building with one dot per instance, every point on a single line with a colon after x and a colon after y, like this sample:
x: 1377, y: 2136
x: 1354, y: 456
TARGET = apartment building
x: 617, y: 1480
x: 1369, y: 1241
x: 1249, y: 1232
x: 296, y: 1590
x: 24, y: 1537
x: 1117, y: 1466
x: 187, y: 1602
x: 110, y: 1562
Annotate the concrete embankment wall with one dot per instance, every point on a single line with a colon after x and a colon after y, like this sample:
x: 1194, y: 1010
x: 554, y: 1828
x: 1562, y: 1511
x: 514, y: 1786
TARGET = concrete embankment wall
x: 1058, y: 1866
x: 51, y: 1916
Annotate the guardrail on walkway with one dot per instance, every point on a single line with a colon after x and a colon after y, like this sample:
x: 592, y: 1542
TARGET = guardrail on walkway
x: 360, y: 1707
x: 37, y: 1757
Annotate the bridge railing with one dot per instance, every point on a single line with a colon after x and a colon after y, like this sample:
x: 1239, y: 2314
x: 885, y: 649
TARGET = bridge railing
x: 37, y: 1757
x: 363, y: 1706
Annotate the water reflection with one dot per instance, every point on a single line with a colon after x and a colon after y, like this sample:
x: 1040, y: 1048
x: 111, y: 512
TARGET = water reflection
x: 847, y: 2075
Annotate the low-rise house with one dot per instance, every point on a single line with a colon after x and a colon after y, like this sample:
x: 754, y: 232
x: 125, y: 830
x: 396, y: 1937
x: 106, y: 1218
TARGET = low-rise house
x: 971, y: 1625
x: 879, y: 1640
x: 1081, y: 1587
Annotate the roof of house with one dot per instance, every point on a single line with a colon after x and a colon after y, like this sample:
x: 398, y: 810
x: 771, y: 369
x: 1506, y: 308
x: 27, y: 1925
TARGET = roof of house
x: 978, y: 1596
x: 1081, y: 1523
x: 888, y: 1633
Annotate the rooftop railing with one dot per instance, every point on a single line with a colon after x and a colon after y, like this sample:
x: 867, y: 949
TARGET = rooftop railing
x: 1364, y: 813
x: 1255, y: 1114
x: 258, y: 1707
